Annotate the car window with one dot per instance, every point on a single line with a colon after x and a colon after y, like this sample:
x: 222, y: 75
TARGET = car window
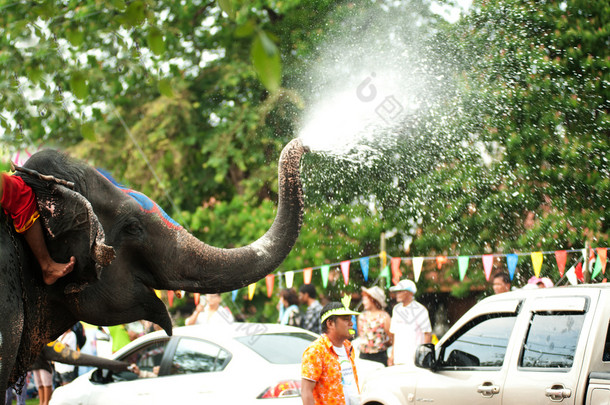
x: 279, y: 348
x: 606, y: 355
x: 482, y: 343
x: 147, y: 357
x: 198, y: 356
x: 551, y: 340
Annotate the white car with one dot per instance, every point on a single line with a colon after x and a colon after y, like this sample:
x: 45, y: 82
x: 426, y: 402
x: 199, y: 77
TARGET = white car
x: 244, y: 363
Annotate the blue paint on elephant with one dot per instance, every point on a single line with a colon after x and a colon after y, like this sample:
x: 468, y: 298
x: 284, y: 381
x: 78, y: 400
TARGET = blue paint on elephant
x: 146, y: 204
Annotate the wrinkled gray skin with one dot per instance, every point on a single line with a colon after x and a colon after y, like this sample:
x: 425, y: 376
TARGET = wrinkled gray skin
x: 108, y: 290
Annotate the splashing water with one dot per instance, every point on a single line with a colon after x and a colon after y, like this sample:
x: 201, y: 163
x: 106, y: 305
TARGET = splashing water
x: 371, y: 88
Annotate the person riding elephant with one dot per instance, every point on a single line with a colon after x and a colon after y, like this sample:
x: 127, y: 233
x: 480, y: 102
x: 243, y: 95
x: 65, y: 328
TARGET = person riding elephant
x: 18, y: 200
x: 125, y: 247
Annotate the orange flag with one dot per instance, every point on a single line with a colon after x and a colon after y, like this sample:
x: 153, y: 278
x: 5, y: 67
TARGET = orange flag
x: 602, y: 254
x: 345, y: 271
x: 196, y: 297
x: 440, y: 260
x: 170, y: 297
x: 560, y: 256
x: 270, y: 281
x: 396, y: 272
x: 307, y: 275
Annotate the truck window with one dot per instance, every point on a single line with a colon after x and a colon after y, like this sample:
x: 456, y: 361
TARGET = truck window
x: 606, y: 356
x: 481, y: 343
x: 552, y: 340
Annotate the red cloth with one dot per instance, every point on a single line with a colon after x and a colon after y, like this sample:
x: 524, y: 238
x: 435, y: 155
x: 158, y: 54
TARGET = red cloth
x: 19, y: 202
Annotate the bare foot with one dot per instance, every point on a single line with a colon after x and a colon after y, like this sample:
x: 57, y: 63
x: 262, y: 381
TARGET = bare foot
x: 54, y: 271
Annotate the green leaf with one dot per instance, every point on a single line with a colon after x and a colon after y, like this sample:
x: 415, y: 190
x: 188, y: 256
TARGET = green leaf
x: 245, y: 30
x: 75, y: 36
x: 118, y: 4
x: 267, y: 65
x: 155, y: 41
x: 87, y: 131
x: 134, y: 15
x: 78, y: 85
x: 227, y: 7
x: 165, y: 88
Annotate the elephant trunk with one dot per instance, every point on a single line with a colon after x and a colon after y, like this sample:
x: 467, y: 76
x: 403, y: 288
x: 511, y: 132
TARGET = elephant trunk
x: 199, y: 267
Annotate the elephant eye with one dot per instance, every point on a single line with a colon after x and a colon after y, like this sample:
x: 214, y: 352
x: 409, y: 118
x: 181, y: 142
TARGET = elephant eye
x: 133, y: 227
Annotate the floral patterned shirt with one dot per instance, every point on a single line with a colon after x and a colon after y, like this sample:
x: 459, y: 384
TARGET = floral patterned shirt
x: 374, y: 337
x: 321, y: 364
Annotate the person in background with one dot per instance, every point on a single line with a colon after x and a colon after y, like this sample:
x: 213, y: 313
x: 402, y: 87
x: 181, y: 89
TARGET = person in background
x: 328, y: 371
x: 43, y: 378
x: 374, y: 326
x: 410, y: 324
x: 66, y: 372
x: 11, y: 392
x: 311, y: 319
x: 211, y: 313
x: 540, y: 282
x: 501, y: 283
x: 289, y: 308
x: 18, y: 200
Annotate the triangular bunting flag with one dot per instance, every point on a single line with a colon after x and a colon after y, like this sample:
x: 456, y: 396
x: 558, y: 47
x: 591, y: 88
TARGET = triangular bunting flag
x: 270, y: 281
x: 571, y: 275
x: 395, y: 266
x: 251, y: 291
x: 196, y: 298
x: 488, y: 262
x: 463, y: 266
x: 602, y: 254
x: 345, y: 271
x: 289, y: 275
x: 597, y: 268
x: 386, y: 273
x: 511, y: 261
x: 170, y: 297
x: 307, y: 273
x: 158, y: 293
x: 560, y: 257
x: 384, y: 258
x: 440, y: 260
x: 417, y: 265
x: 325, y: 270
x: 234, y: 295
x: 364, y: 265
x: 537, y: 259
x: 578, y: 272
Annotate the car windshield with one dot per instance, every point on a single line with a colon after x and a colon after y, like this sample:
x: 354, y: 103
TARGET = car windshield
x: 279, y: 348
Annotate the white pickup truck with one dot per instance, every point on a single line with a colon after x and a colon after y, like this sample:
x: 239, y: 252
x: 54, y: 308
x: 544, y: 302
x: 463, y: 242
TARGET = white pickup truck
x: 542, y: 346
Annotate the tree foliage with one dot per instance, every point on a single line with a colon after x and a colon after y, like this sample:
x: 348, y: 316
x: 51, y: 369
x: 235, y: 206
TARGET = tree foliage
x: 191, y: 103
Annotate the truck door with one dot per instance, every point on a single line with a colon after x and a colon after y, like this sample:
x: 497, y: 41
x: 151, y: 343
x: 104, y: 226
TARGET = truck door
x: 547, y: 368
x: 471, y: 363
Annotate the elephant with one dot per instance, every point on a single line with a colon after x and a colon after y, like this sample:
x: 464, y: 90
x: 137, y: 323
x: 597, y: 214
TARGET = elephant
x: 126, y: 247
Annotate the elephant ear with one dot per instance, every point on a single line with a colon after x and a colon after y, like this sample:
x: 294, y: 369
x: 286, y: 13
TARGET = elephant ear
x: 74, y: 230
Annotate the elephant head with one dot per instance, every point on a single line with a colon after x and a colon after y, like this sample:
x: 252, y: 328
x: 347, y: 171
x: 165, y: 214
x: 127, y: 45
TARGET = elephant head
x: 150, y: 250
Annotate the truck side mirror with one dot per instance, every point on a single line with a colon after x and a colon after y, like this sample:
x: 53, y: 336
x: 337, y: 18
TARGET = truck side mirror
x: 425, y: 357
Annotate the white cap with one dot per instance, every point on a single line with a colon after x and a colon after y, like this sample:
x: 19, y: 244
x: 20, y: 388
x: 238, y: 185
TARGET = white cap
x: 404, y: 285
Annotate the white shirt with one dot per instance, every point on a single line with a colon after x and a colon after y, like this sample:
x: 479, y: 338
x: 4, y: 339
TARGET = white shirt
x: 221, y: 317
x: 409, y: 323
x: 68, y: 339
x: 350, y: 389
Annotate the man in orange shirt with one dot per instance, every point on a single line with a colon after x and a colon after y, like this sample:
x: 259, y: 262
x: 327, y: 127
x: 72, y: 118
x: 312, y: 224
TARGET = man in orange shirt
x: 328, y: 371
x: 18, y: 200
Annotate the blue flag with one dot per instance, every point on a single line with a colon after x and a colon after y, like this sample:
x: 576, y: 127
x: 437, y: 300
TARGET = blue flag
x: 511, y: 261
x: 364, y: 264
